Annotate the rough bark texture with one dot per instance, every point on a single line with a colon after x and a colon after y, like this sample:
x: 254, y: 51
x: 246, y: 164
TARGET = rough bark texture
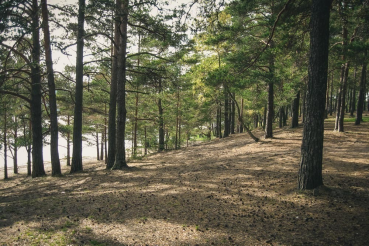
x: 120, y: 156
x: 77, y: 127
x: 310, y: 171
x: 36, y: 110
x: 360, y: 103
x: 113, y: 97
x: 295, y: 111
x: 54, y: 151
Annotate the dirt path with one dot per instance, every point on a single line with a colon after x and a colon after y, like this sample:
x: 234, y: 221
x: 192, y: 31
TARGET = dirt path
x: 225, y: 192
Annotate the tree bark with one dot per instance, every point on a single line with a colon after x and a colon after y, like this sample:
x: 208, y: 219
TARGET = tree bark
x: 310, y: 171
x: 77, y: 125
x: 113, y: 94
x: 120, y: 155
x: 36, y: 108
x: 54, y: 146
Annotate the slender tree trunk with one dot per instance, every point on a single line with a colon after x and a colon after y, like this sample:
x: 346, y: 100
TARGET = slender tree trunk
x: 338, y: 104
x: 102, y: 146
x: 226, y: 113
x: 68, y: 141
x: 161, y: 123
x: 270, y: 111
x: 353, y: 95
x: 120, y: 155
x: 360, y: 103
x: 331, y: 101
x: 344, y: 75
x: 113, y: 93
x: 15, y: 158
x: 54, y: 139
x: 295, y: 113
x: 5, y: 143
x: 177, y: 120
x: 77, y: 125
x: 106, y: 136
x: 28, y: 147
x: 281, y: 109
x: 97, y: 145
x: 36, y: 108
x: 233, y: 115
x: 310, y: 171
x: 241, y: 126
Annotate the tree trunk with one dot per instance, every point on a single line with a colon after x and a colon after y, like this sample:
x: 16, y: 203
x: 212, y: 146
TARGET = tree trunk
x: 177, y: 121
x: 331, y: 101
x: 344, y: 75
x: 281, y: 117
x: 105, y: 137
x: 310, y: 171
x: 360, y: 103
x: 295, y: 111
x: 5, y: 144
x: 77, y: 125
x: 54, y: 145
x: 226, y: 113
x: 233, y: 115
x: 102, y: 146
x: 97, y: 145
x: 113, y: 94
x: 15, y: 158
x: 161, y: 124
x: 120, y: 155
x: 269, y: 112
x: 241, y: 126
x: 68, y: 142
x: 353, y: 95
x: 36, y: 108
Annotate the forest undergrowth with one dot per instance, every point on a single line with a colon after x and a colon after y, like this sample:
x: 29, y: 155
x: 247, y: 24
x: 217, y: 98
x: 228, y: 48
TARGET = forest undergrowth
x: 229, y: 191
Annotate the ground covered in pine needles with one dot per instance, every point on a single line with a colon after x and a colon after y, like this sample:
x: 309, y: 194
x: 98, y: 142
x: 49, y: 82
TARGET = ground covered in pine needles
x: 229, y: 191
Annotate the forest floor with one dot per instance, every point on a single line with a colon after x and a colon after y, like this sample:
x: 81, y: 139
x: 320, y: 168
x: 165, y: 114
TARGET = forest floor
x: 229, y: 191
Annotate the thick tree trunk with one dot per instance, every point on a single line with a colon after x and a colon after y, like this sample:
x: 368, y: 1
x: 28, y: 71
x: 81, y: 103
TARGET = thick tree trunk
x: 36, y: 108
x: 113, y: 94
x: 120, y: 156
x: 295, y: 111
x: 360, y: 103
x: 310, y: 171
x: 54, y: 146
x: 77, y: 125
